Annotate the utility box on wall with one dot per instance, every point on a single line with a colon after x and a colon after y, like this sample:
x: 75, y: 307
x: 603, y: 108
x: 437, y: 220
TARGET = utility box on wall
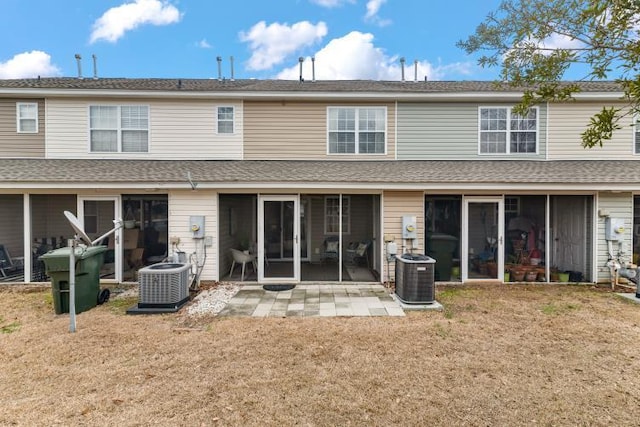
x: 614, y: 229
x: 409, y: 227
x: 196, y: 225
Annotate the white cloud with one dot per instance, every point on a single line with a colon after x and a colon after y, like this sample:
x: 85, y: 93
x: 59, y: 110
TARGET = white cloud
x: 203, y: 44
x: 373, y: 7
x: 560, y: 41
x: 28, y: 65
x: 112, y: 25
x: 331, y: 3
x: 355, y: 57
x: 271, y: 44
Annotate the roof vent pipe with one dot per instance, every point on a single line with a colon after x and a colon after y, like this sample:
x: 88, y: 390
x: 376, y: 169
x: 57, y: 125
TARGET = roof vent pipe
x: 313, y: 68
x: 415, y: 70
x: 402, y: 67
x: 231, y: 59
x: 95, y: 66
x: 301, y: 60
x: 219, y: 59
x: 78, y: 60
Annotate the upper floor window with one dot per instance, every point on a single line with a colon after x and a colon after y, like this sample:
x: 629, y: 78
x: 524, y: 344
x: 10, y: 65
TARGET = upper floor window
x: 504, y: 132
x: 27, y: 117
x: 119, y: 128
x: 357, y: 130
x: 225, y: 119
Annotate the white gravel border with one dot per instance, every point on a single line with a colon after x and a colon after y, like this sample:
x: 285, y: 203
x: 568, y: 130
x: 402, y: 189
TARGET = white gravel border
x: 212, y: 301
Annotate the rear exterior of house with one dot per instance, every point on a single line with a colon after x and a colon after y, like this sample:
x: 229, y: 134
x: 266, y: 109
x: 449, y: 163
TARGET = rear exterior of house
x: 320, y: 180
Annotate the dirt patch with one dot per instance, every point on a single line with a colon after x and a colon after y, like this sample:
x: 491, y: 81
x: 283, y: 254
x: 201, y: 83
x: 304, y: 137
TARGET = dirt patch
x: 497, y: 355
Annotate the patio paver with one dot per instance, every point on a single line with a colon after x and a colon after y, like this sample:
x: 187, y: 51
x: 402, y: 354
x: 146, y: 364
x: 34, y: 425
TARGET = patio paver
x: 314, y: 300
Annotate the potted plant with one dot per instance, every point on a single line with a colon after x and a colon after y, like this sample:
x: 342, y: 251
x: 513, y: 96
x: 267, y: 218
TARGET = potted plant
x: 531, y: 276
x: 517, y: 273
x: 507, y: 275
x: 553, y: 274
x: 492, y: 268
x: 563, y: 276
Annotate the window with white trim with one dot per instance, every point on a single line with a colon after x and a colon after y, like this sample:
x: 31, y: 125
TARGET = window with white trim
x: 119, y: 128
x: 225, y: 119
x: 27, y: 117
x: 501, y: 131
x: 332, y: 214
x: 356, y: 130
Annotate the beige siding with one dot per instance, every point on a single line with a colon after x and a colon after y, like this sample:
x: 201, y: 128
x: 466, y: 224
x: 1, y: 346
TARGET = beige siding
x: 618, y: 205
x: 184, y: 204
x: 21, y: 145
x: 177, y: 130
x: 298, y: 130
x: 568, y: 120
x: 396, y: 204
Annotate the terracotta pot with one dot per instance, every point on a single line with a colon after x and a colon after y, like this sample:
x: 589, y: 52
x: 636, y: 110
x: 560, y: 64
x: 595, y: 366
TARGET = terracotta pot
x: 531, y: 276
x: 492, y: 269
x: 517, y: 275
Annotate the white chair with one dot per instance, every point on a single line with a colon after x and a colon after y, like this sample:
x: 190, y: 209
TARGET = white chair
x: 240, y: 257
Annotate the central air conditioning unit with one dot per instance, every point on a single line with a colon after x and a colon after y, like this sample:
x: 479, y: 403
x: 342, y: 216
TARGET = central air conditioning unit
x: 164, y: 285
x: 415, y: 282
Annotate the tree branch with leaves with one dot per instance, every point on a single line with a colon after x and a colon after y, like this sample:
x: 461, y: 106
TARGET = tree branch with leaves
x: 535, y: 42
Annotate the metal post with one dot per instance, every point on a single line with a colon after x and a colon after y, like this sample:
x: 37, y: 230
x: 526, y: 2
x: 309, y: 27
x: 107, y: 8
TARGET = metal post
x: 72, y: 284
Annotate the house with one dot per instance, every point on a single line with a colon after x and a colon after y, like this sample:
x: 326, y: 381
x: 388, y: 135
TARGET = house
x: 316, y: 178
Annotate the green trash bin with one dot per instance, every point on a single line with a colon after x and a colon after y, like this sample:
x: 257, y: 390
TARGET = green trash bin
x: 441, y: 247
x: 87, y: 290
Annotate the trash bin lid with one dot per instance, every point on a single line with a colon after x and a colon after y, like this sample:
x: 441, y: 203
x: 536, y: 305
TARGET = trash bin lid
x: 80, y: 252
x: 441, y: 236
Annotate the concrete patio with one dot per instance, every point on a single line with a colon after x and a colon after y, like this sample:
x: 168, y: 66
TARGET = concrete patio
x: 314, y: 300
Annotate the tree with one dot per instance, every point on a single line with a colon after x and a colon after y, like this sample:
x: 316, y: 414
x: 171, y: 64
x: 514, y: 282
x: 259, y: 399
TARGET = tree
x: 535, y: 42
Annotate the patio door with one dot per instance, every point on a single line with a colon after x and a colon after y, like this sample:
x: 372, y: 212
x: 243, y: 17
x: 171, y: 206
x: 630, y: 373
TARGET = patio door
x: 483, y: 241
x: 279, y: 238
x: 96, y: 215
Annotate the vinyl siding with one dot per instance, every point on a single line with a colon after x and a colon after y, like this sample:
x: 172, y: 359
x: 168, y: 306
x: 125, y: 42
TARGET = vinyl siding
x: 568, y: 120
x: 20, y: 145
x: 184, y: 204
x: 298, y: 131
x: 177, y: 130
x: 396, y: 204
x: 618, y: 205
x: 449, y: 131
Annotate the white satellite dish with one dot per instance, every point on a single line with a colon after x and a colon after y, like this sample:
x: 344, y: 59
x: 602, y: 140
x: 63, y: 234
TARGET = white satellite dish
x: 77, y: 227
x: 80, y: 233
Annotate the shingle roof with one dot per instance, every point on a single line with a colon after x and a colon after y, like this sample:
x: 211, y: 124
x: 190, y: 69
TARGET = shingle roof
x: 248, y: 173
x: 250, y: 85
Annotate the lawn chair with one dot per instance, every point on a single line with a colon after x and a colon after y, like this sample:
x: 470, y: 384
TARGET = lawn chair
x: 7, y: 266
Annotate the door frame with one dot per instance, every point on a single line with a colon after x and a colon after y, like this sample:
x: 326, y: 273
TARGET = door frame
x: 295, y: 198
x: 464, y: 248
x: 117, y: 248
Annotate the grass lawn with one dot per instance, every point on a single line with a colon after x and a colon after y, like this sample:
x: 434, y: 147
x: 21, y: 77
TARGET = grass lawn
x: 497, y: 355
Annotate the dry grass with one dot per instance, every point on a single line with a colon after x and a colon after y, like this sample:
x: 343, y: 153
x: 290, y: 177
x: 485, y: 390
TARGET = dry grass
x: 498, y: 355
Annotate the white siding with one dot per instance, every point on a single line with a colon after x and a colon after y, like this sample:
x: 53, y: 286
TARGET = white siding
x: 184, y: 204
x: 618, y: 205
x: 568, y: 120
x: 177, y: 130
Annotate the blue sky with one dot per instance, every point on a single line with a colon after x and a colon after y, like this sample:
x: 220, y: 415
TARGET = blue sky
x: 350, y: 39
